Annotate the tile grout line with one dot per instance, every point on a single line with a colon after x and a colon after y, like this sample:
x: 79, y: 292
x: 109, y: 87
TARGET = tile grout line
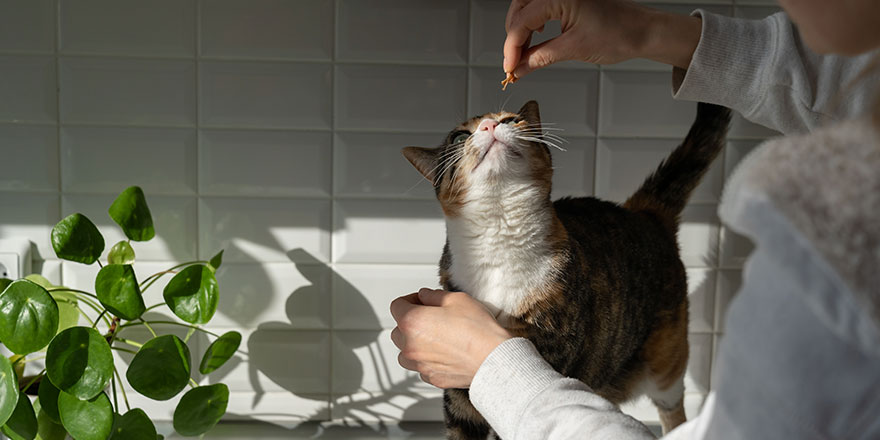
x: 331, y: 257
x: 198, y: 103
x: 60, y: 188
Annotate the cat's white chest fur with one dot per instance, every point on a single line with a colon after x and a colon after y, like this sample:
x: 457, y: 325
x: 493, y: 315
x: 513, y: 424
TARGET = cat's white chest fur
x: 500, y: 249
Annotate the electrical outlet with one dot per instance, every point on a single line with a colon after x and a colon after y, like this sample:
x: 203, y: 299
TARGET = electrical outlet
x: 15, y: 258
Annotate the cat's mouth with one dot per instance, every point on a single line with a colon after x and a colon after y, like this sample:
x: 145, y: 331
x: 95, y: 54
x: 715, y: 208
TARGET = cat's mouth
x: 496, y: 144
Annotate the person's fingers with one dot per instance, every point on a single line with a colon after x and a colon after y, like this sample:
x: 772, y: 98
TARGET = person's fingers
x: 523, y: 22
x: 403, y: 304
x: 406, y: 362
x: 398, y: 338
x: 544, y: 54
x: 432, y: 297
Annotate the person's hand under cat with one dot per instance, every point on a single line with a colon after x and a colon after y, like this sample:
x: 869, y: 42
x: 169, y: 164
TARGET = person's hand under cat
x: 596, y: 31
x: 444, y: 336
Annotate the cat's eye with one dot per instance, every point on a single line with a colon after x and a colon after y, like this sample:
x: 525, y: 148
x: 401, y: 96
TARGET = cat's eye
x: 460, y: 137
x: 508, y: 120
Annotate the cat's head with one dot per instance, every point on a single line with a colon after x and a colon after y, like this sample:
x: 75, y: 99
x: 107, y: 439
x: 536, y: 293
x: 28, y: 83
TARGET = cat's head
x: 486, y: 156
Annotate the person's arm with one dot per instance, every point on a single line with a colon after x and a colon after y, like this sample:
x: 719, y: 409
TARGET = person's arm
x: 524, y: 398
x: 762, y: 69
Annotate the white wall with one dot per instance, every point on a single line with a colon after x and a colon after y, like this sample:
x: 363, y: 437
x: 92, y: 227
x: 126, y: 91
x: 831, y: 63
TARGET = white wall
x: 272, y: 129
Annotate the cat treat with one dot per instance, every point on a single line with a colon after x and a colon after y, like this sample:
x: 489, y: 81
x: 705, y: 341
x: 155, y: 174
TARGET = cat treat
x: 510, y: 79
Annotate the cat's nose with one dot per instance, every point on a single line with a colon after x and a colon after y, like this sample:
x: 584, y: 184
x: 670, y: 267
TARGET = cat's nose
x: 487, y: 125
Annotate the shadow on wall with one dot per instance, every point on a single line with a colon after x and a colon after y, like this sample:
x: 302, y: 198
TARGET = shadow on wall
x: 295, y: 359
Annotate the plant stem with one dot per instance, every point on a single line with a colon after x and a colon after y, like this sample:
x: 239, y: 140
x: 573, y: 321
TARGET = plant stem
x: 122, y: 388
x: 153, y: 307
x: 148, y: 327
x: 99, y: 264
x: 115, y: 399
x: 66, y: 289
x: 124, y: 350
x: 189, y: 334
x: 171, y: 323
x: 152, y: 278
x: 193, y: 383
x: 32, y: 359
x: 36, y: 378
x: 132, y: 343
x: 98, y: 319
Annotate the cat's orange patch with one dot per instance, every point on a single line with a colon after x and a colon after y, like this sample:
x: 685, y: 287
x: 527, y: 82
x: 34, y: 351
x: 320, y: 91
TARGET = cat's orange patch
x: 666, y: 349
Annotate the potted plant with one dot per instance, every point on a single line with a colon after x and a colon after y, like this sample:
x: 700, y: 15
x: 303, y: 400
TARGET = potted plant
x: 79, y: 390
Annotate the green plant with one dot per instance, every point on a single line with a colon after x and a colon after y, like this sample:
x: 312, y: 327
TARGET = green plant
x: 36, y: 317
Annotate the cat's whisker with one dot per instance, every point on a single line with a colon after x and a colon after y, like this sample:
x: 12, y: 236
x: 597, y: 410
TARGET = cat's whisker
x: 541, y: 141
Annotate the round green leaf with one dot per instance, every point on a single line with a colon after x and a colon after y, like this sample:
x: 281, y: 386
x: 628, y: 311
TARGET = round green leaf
x: 22, y: 425
x: 161, y: 368
x: 41, y: 280
x: 220, y: 351
x: 79, y: 362
x: 118, y: 291
x: 8, y: 390
x: 4, y: 283
x: 134, y: 425
x: 200, y: 409
x: 192, y: 294
x: 90, y: 419
x: 121, y: 253
x: 48, y: 393
x: 216, y: 260
x: 131, y: 213
x: 76, y: 238
x: 47, y: 429
x: 28, y: 317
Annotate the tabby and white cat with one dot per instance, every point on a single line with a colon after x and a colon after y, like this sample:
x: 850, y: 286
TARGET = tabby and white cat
x: 598, y: 287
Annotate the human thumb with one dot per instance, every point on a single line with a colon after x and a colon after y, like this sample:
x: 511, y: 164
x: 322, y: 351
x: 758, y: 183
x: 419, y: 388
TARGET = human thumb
x: 542, y: 55
x: 432, y: 297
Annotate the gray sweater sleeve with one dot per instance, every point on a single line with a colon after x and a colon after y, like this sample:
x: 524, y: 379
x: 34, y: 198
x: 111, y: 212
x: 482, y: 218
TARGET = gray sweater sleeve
x: 523, y: 398
x: 763, y: 70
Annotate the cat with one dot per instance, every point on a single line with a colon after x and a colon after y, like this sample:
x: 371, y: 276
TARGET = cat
x: 598, y: 287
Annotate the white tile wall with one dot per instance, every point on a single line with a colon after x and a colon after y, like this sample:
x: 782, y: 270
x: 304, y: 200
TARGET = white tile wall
x: 273, y: 129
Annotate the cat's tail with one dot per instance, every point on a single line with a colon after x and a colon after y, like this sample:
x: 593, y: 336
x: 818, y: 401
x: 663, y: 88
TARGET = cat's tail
x: 666, y: 191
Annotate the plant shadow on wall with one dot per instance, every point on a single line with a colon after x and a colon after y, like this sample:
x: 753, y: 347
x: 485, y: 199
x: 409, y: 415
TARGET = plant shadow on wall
x: 282, y: 357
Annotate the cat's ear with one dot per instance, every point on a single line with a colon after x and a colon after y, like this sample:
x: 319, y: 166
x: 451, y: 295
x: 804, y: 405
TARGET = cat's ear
x: 530, y: 113
x: 424, y: 159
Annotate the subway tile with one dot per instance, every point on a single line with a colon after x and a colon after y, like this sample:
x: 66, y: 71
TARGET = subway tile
x: 624, y: 164
x: 273, y: 295
x: 277, y: 408
x: 267, y: 29
x: 27, y: 89
x: 422, y: 31
x: 49, y: 269
x: 701, y: 296
x: 128, y: 27
x: 264, y: 94
x: 34, y: 151
x: 265, y: 230
x: 362, y: 293
x: 127, y: 91
x: 640, y: 104
x: 573, y: 169
x: 567, y: 97
x: 27, y: 25
x: 109, y: 159
x: 388, y: 231
x: 699, y: 369
x: 412, y: 98
x: 264, y: 163
x: 370, y: 409
x: 33, y: 217
x: 698, y: 236
x: 735, y: 248
x: 729, y: 282
x: 371, y: 164
x: 736, y: 151
x: 295, y: 361
x: 367, y: 361
x: 174, y: 219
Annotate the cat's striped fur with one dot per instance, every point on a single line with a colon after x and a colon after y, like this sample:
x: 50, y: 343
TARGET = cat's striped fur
x: 598, y: 287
